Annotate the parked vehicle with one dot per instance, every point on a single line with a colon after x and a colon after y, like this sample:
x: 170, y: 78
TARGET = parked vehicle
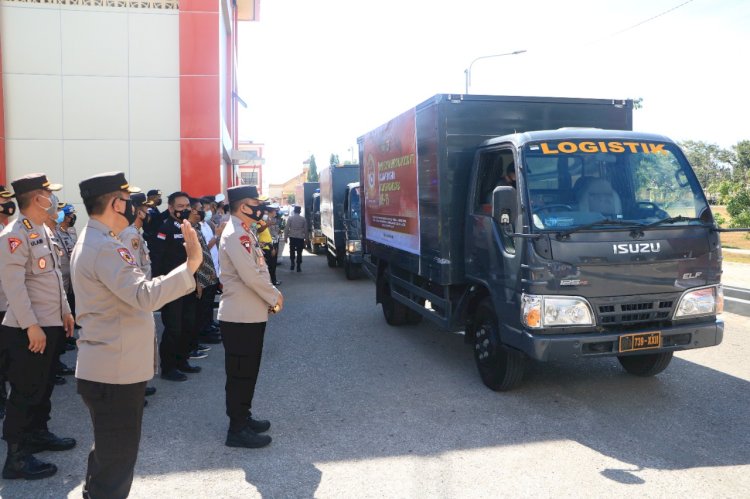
x: 334, y: 193
x: 603, y: 244
x: 315, y: 240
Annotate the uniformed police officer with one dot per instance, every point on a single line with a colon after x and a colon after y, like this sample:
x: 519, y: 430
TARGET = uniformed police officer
x: 117, y: 344
x: 37, y: 320
x: 243, y: 312
x: 7, y: 210
x: 132, y: 235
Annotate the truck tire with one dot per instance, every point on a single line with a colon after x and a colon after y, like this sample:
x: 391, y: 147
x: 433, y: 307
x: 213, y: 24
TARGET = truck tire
x: 500, y: 367
x: 645, y: 365
x: 331, y: 259
x: 352, y: 271
x: 395, y: 313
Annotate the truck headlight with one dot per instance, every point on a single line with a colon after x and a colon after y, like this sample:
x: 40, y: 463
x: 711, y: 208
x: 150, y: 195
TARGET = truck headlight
x: 354, y: 246
x: 318, y: 232
x: 702, y: 301
x: 540, y: 311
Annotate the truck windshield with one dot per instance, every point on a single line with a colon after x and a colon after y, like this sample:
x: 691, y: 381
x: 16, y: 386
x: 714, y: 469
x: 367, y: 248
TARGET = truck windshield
x: 354, y: 204
x: 580, y: 182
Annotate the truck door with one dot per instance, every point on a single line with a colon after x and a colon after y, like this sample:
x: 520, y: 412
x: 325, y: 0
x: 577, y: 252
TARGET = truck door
x: 491, y: 254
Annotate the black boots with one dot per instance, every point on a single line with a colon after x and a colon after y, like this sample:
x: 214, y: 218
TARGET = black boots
x: 20, y: 463
x: 246, y: 438
x: 258, y: 425
x: 41, y: 440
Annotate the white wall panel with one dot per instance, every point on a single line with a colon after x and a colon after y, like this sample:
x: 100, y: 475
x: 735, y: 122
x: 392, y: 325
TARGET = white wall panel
x: 154, y: 44
x: 155, y: 165
x: 155, y: 108
x: 94, y: 43
x: 33, y: 106
x: 30, y: 39
x: 95, y: 107
x: 34, y: 156
x: 85, y: 158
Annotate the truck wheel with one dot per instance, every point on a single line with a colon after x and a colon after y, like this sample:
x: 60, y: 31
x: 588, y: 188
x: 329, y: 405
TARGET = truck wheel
x: 500, y: 368
x: 395, y: 313
x: 352, y: 271
x: 645, y: 365
x: 331, y: 259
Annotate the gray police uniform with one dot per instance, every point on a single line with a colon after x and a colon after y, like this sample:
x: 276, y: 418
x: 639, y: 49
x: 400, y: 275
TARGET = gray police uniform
x: 243, y: 312
x: 132, y: 238
x: 31, y: 278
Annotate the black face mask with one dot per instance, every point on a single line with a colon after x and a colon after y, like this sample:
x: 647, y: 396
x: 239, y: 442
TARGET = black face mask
x: 182, y: 215
x: 129, y: 211
x: 8, y: 208
x: 158, y: 202
x: 72, y: 221
x: 202, y: 215
x: 256, y: 213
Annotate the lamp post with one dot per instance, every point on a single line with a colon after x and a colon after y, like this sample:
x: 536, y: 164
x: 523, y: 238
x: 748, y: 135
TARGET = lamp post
x: 467, y: 71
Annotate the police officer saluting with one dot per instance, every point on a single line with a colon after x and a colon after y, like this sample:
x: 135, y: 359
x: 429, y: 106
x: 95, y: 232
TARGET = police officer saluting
x: 37, y: 320
x: 243, y: 312
x: 117, y: 344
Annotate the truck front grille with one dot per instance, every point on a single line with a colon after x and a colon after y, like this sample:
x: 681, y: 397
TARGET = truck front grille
x: 641, y: 309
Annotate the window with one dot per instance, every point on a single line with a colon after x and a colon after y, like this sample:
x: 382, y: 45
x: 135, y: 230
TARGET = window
x: 492, y: 169
x: 249, y: 178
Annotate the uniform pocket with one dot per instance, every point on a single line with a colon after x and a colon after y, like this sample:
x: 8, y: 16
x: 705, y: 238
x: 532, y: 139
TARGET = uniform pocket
x: 42, y: 259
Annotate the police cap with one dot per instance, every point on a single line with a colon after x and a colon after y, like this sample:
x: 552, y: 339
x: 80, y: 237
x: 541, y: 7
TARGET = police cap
x: 105, y: 183
x: 242, y: 192
x: 139, y: 199
x: 33, y: 182
x: 154, y: 192
x: 5, y: 193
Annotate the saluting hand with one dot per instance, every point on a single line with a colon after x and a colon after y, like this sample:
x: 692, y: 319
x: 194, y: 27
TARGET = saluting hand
x: 37, y: 339
x: 192, y: 246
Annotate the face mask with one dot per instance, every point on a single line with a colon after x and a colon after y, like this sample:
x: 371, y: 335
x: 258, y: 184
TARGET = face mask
x: 52, y: 208
x: 256, y: 213
x: 60, y: 217
x: 182, y: 215
x: 8, y: 208
x: 209, y: 214
x: 72, y: 220
x: 129, y: 213
x: 265, y: 217
x: 158, y: 202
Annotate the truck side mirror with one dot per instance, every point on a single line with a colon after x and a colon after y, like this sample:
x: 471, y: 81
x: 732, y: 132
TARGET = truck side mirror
x: 504, y: 206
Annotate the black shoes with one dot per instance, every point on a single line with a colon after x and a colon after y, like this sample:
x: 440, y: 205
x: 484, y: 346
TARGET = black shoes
x: 41, y: 440
x: 63, y: 370
x: 299, y: 268
x: 190, y: 369
x: 292, y: 267
x: 173, y: 375
x: 276, y: 283
x: 258, y: 425
x: 22, y: 464
x: 203, y: 348
x: 197, y: 354
x: 150, y: 390
x: 59, y: 380
x: 246, y: 438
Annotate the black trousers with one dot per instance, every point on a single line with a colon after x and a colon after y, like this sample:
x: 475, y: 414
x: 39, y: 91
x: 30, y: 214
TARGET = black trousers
x: 3, y: 364
x: 271, y: 263
x: 179, y: 318
x: 116, y: 414
x: 296, y: 245
x: 205, y: 310
x: 31, y: 377
x: 243, y: 347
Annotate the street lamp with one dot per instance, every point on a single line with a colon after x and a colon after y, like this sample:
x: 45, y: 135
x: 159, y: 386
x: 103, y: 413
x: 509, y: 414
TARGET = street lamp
x: 467, y: 71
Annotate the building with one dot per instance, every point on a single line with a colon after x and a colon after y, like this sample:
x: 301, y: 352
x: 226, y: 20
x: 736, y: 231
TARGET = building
x: 249, y: 162
x: 293, y: 186
x: 147, y: 87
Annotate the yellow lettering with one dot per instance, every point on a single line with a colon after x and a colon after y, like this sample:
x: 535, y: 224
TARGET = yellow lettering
x: 616, y: 147
x: 602, y: 147
x: 547, y: 150
x: 644, y: 147
x: 567, y: 147
x: 632, y: 145
x: 657, y: 148
x: 588, y: 147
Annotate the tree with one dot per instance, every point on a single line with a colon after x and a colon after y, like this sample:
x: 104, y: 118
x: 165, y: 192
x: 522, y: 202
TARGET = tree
x: 741, y: 166
x: 312, y: 173
x: 334, y: 161
x: 711, y: 163
x: 291, y: 199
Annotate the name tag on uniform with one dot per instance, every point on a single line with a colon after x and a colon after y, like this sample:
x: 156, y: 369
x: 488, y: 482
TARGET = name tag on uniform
x: 179, y: 236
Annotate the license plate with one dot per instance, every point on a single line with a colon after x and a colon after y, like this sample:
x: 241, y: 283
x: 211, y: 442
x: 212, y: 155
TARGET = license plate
x: 640, y: 341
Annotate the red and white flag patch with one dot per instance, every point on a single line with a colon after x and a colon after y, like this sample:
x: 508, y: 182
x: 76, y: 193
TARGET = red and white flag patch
x: 125, y: 255
x: 13, y: 244
x: 161, y: 236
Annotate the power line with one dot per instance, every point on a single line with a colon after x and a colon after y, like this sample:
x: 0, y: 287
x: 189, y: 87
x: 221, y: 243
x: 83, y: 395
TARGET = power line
x: 641, y: 23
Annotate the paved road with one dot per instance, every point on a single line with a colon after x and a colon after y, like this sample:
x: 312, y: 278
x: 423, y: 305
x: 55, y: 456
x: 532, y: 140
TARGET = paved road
x: 737, y: 300
x: 360, y: 409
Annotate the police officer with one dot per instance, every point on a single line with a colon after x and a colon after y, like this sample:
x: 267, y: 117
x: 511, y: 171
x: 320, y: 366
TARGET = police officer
x: 37, y: 320
x: 247, y: 299
x: 7, y: 210
x: 178, y: 316
x: 132, y: 235
x: 117, y: 345
x: 155, y: 217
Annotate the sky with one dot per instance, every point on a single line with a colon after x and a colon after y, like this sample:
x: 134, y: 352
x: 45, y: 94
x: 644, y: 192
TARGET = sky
x: 318, y: 74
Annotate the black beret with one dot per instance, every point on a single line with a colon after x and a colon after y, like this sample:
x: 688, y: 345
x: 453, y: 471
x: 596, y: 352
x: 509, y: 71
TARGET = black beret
x: 32, y: 182
x: 105, y: 183
x: 242, y: 192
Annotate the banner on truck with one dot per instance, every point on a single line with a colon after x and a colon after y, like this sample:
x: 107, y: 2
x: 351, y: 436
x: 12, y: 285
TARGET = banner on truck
x: 390, y: 184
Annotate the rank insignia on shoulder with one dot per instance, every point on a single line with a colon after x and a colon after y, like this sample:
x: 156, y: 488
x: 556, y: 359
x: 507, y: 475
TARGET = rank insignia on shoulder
x: 112, y: 234
x: 27, y: 224
x: 33, y: 235
x: 13, y: 244
x: 125, y: 255
x: 246, y: 243
x: 136, y: 243
x: 244, y: 226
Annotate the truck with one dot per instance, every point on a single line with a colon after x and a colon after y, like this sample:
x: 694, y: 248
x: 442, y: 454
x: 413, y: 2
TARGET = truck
x: 544, y: 228
x: 334, y: 181
x: 353, y: 231
x: 311, y: 208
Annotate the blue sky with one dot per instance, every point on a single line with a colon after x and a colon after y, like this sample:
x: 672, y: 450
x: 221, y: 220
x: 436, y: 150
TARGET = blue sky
x: 316, y: 75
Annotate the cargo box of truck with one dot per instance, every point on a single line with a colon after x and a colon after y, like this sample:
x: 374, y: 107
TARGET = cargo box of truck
x: 333, y: 190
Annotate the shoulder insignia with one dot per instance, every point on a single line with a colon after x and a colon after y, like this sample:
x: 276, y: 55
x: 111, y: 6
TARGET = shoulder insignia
x: 27, y: 224
x: 246, y: 243
x: 136, y: 242
x: 13, y: 244
x: 244, y: 226
x: 33, y: 235
x: 161, y: 236
x: 42, y: 263
x: 125, y: 255
x: 112, y: 234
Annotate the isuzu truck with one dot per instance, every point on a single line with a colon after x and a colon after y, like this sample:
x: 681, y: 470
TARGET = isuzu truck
x: 542, y: 227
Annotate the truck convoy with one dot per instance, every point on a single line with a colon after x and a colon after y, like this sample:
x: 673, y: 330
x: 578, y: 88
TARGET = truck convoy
x: 544, y: 228
x: 336, y: 222
x: 315, y: 239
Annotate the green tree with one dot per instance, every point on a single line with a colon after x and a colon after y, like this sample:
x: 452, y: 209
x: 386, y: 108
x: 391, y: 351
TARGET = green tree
x: 741, y: 165
x: 334, y: 160
x: 291, y: 198
x: 711, y: 163
x: 312, y: 173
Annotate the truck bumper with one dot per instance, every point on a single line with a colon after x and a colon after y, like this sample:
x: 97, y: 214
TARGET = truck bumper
x: 545, y: 347
x: 354, y: 258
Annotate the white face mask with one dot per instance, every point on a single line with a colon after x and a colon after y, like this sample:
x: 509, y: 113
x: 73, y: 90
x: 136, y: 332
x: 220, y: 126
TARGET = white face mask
x: 209, y: 214
x: 265, y: 218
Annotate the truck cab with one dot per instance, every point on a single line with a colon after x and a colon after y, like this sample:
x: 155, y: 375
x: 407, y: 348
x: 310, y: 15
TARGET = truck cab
x: 353, y: 230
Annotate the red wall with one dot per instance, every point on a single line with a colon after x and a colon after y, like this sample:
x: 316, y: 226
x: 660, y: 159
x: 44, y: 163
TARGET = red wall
x: 2, y: 125
x: 200, y: 136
